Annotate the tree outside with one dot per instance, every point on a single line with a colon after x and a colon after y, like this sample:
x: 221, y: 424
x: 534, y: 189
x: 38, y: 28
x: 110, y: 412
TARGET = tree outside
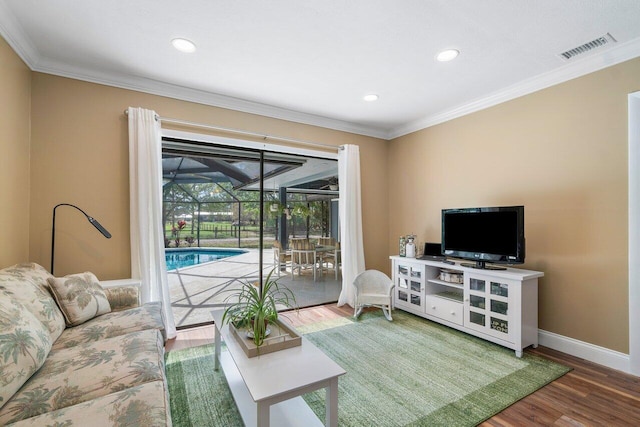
x: 216, y: 215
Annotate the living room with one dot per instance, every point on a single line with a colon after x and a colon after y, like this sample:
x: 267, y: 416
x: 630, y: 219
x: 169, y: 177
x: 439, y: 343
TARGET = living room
x: 561, y: 151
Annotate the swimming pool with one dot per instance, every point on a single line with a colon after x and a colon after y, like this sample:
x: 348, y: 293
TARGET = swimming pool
x: 179, y: 258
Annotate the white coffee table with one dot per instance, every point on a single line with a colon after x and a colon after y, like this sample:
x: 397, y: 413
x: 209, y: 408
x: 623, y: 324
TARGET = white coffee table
x: 267, y: 388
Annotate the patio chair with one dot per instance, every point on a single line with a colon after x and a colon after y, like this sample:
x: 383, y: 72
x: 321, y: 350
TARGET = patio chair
x: 281, y: 258
x: 326, y: 241
x: 298, y: 242
x: 303, y: 256
x: 330, y: 257
x: 373, y: 289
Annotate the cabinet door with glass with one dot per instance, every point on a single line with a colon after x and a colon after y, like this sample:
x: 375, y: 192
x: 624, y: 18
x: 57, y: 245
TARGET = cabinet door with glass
x: 409, y: 281
x: 489, y: 306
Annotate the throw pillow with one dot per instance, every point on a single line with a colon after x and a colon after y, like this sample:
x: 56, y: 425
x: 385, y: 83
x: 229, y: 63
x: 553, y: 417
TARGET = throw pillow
x: 80, y: 297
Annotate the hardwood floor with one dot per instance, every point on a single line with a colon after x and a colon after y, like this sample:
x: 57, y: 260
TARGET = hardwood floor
x: 589, y: 395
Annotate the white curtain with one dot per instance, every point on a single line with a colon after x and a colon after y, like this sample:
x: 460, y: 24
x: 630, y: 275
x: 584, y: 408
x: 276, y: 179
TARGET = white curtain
x: 350, y: 210
x: 145, y: 187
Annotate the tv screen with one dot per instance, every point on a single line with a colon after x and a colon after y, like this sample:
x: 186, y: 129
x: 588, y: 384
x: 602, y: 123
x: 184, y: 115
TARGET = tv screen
x: 492, y: 234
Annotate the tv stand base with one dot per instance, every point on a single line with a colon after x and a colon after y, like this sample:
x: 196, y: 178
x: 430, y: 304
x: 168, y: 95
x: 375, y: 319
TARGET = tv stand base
x: 498, y: 306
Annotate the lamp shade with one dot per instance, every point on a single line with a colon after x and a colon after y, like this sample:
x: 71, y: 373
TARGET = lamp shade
x: 92, y: 220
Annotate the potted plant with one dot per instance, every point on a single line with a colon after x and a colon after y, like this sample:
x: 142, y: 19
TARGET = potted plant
x: 276, y: 209
x: 254, y: 311
x: 302, y: 209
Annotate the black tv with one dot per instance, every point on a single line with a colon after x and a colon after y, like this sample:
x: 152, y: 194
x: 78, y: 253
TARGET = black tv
x: 484, y: 235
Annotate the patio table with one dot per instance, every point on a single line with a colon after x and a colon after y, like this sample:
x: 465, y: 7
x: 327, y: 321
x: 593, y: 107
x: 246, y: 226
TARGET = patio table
x: 321, y: 249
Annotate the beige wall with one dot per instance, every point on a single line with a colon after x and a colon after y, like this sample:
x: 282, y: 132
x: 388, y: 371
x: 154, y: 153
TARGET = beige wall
x: 560, y: 152
x: 80, y: 156
x: 15, y: 94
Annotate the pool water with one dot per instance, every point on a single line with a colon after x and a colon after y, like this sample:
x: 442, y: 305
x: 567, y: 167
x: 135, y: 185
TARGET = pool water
x: 184, y: 258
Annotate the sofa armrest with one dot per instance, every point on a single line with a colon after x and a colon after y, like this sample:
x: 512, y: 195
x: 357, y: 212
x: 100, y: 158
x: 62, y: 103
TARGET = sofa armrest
x: 123, y: 293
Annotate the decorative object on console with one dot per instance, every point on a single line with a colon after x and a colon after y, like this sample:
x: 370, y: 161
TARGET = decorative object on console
x: 411, y: 246
x: 403, y: 246
x: 92, y: 220
x: 451, y: 276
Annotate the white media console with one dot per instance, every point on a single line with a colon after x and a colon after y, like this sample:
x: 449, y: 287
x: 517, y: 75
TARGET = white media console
x: 500, y: 306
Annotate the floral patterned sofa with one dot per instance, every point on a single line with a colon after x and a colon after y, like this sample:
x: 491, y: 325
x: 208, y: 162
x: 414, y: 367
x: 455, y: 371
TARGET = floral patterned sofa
x: 73, y: 353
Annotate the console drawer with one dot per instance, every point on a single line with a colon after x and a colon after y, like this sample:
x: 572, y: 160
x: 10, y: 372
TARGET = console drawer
x: 444, y: 309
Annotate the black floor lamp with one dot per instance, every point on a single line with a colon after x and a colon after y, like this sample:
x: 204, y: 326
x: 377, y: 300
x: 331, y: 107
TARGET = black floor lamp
x: 92, y: 220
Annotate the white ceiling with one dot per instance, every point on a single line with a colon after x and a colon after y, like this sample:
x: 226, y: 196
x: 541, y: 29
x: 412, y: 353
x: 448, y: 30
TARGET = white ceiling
x: 312, y: 61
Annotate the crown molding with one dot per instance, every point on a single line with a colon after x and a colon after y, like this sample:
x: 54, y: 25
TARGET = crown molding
x: 15, y: 36
x: 156, y: 87
x: 13, y: 33
x: 593, y: 63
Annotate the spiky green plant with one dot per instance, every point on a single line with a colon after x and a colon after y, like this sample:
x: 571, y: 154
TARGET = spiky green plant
x: 248, y: 308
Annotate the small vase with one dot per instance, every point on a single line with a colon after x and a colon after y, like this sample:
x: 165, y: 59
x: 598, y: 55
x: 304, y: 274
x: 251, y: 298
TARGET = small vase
x: 410, y: 247
x: 403, y: 247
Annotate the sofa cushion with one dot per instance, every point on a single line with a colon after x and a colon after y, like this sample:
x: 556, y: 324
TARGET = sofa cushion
x: 148, y: 316
x: 24, y: 344
x: 142, y: 405
x: 123, y: 297
x: 80, y: 297
x: 88, y: 371
x: 27, y: 283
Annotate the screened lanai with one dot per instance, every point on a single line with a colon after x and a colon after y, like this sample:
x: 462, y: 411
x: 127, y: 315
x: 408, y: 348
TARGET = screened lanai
x: 211, y: 199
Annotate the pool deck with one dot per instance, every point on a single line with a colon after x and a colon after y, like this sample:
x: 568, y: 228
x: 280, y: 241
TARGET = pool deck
x: 198, y: 289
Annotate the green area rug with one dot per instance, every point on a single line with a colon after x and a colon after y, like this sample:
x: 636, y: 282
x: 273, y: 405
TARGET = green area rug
x: 409, y: 372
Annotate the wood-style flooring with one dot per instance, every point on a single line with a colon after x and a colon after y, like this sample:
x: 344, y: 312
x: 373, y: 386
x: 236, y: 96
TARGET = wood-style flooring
x: 589, y: 395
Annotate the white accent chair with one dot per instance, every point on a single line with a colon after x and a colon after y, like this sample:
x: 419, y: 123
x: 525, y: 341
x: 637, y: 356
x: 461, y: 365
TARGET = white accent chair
x: 373, y: 289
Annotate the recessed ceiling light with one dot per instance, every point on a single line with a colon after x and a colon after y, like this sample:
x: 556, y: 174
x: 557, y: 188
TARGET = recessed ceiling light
x: 370, y: 97
x: 184, y: 45
x: 447, y: 55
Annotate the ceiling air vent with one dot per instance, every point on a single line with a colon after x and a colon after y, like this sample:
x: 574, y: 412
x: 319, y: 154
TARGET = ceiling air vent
x: 587, y: 47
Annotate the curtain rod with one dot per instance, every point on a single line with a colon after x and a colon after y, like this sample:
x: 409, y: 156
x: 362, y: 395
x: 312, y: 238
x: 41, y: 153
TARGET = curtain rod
x: 243, y: 132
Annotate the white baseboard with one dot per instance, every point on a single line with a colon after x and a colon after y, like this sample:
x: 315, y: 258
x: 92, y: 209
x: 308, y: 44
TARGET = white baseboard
x: 593, y: 353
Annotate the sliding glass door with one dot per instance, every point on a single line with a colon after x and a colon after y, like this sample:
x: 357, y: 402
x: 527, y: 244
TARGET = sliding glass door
x: 231, y: 214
